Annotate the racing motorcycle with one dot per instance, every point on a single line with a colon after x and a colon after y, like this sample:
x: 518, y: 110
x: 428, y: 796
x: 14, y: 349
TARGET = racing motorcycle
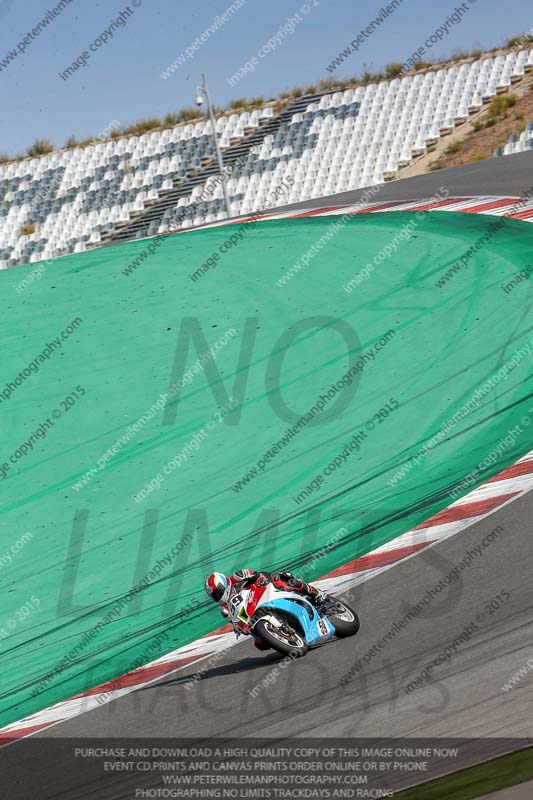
x: 289, y: 622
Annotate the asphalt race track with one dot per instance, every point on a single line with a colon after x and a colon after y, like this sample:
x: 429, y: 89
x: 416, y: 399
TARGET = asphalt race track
x: 511, y: 175
x: 464, y: 698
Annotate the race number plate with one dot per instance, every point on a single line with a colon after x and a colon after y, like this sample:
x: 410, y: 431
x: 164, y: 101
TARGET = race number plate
x: 235, y: 602
x: 235, y: 607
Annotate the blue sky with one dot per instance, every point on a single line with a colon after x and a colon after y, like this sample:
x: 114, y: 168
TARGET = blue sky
x: 122, y: 79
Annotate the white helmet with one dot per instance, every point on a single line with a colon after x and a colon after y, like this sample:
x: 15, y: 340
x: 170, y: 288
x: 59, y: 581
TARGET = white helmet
x: 219, y: 587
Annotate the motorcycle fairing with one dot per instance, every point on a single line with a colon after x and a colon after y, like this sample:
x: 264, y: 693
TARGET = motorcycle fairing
x: 317, y: 629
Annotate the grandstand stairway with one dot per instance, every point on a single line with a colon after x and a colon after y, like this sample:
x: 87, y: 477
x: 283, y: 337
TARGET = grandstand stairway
x: 138, y: 228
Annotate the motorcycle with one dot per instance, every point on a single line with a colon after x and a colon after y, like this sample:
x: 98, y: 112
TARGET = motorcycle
x: 289, y: 622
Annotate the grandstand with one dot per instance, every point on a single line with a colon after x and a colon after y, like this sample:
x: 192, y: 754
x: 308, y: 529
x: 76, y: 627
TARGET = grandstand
x: 132, y: 187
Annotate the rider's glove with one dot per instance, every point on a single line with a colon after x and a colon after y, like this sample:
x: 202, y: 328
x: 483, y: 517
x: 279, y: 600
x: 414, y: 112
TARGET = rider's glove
x: 240, y: 629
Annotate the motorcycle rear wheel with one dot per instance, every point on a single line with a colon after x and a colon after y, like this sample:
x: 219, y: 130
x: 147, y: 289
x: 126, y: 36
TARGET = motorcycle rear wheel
x: 292, y: 644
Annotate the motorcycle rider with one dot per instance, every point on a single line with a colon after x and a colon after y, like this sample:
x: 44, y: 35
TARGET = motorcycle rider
x: 221, y: 588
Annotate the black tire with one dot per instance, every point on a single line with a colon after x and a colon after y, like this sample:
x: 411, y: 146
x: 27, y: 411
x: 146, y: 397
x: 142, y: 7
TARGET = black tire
x: 345, y: 625
x: 268, y: 634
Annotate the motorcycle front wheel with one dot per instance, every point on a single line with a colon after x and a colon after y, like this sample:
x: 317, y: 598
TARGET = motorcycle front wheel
x: 285, y: 640
x: 343, y: 618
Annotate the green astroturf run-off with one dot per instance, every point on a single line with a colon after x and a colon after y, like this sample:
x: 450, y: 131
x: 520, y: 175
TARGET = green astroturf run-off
x: 88, y: 548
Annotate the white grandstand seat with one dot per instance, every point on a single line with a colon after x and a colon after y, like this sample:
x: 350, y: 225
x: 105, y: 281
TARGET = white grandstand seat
x: 343, y: 140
